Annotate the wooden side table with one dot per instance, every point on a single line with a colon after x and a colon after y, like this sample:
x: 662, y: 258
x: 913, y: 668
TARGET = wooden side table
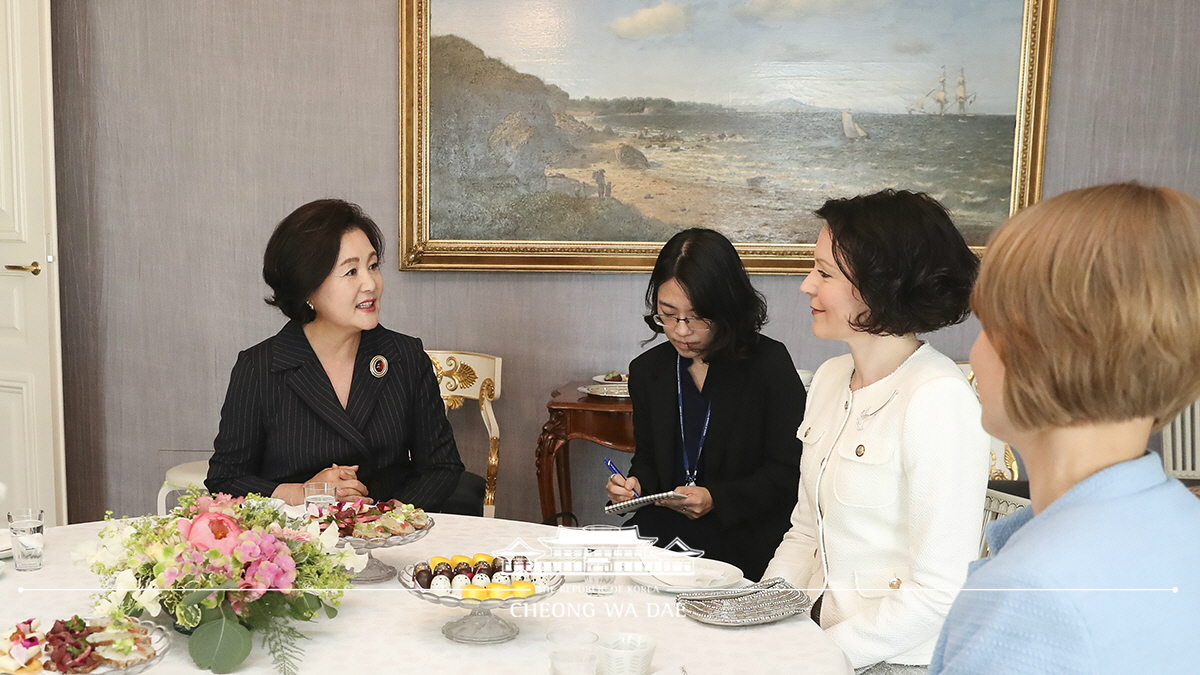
x: 607, y: 421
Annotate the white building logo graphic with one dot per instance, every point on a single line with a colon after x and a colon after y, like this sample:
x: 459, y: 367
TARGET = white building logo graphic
x: 574, y: 550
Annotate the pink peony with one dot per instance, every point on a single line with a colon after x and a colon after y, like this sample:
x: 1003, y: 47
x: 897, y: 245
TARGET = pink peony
x: 213, y: 530
x: 219, y: 503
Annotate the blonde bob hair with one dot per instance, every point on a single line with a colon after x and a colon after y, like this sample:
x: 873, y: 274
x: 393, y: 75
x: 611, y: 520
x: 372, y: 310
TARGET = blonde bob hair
x: 1092, y: 302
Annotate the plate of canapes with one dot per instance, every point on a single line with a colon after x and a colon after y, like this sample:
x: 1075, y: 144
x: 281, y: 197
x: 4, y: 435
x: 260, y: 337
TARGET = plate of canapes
x: 480, y: 583
x: 379, y: 525
x: 79, y: 645
x: 372, y: 526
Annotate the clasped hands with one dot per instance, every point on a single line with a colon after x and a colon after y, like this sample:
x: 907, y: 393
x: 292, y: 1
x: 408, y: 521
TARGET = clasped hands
x: 697, y: 504
x: 344, y: 477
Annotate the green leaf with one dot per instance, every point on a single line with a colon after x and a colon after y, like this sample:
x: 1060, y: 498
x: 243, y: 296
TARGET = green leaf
x: 190, y: 616
x: 194, y: 598
x: 305, y: 605
x: 221, y: 611
x: 220, y: 646
x: 331, y: 611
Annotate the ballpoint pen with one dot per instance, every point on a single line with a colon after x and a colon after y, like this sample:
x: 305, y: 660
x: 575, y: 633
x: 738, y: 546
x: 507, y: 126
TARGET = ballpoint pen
x: 617, y: 472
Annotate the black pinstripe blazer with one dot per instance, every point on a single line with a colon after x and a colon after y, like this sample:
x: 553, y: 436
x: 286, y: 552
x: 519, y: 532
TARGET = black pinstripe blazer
x: 283, y: 423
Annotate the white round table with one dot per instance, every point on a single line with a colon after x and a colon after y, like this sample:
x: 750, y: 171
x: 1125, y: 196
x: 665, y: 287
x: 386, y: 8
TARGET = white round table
x: 382, y: 628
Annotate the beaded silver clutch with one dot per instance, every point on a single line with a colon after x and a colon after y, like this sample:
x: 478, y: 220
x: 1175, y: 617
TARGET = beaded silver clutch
x: 766, y: 601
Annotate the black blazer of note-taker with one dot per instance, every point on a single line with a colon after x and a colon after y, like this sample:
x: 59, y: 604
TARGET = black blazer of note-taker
x: 751, y: 460
x: 283, y: 423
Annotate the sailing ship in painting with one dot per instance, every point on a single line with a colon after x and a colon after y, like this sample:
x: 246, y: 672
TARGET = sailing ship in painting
x: 851, y: 128
x: 939, y: 97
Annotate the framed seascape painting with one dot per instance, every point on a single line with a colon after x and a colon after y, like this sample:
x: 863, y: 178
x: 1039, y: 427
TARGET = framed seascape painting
x: 580, y: 135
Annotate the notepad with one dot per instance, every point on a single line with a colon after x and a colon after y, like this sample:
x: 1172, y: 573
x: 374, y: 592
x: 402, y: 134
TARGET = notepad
x: 635, y: 504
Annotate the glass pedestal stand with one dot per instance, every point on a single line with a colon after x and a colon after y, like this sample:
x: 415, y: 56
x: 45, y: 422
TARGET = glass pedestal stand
x: 480, y: 627
x: 376, y: 571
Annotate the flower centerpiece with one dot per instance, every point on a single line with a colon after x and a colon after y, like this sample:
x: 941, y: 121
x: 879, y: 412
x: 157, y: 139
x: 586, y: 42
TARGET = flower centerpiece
x: 220, y: 566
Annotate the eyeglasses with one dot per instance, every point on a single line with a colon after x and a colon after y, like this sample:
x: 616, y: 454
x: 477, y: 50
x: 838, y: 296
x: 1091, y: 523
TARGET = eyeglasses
x: 694, y: 322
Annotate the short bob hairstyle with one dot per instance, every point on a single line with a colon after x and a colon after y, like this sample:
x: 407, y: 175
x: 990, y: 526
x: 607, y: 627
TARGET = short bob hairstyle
x: 709, y: 270
x: 910, y: 265
x: 303, y: 250
x: 1091, y: 300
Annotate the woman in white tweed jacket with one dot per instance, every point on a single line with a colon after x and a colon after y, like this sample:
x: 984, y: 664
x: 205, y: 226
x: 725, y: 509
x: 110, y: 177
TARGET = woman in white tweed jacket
x: 895, y: 461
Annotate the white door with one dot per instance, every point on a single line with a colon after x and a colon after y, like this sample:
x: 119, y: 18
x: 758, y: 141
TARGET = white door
x: 31, y: 445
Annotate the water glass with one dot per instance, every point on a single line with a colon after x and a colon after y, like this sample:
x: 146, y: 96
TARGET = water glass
x: 25, y: 528
x: 599, y: 578
x: 319, y: 497
x: 572, y: 651
x: 626, y: 654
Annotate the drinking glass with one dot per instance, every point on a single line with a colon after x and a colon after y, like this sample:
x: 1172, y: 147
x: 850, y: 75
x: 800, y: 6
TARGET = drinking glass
x: 25, y: 528
x: 319, y: 497
x: 626, y: 654
x: 572, y: 651
x: 599, y: 578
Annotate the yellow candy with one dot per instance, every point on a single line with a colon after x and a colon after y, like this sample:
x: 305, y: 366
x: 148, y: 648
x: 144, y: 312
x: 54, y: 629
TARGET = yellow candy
x: 473, y: 592
x: 500, y: 591
x: 482, y: 556
x: 522, y: 589
x: 433, y: 562
x: 459, y: 559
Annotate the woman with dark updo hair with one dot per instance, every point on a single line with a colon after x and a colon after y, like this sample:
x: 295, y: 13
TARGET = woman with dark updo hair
x: 895, y: 461
x: 715, y: 409
x: 333, y: 397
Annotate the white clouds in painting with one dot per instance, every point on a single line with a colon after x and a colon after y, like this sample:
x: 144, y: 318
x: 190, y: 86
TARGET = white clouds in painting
x: 665, y: 19
x: 913, y: 46
x: 788, y: 10
x: 864, y: 55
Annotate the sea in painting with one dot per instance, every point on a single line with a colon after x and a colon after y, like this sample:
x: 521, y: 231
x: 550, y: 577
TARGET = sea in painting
x: 514, y: 156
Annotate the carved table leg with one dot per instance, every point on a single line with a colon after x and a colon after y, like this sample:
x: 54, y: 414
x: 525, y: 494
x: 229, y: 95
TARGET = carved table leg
x: 550, y: 443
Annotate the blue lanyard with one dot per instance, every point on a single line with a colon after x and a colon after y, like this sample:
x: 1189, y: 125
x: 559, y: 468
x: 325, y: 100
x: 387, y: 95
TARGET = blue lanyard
x: 688, y: 472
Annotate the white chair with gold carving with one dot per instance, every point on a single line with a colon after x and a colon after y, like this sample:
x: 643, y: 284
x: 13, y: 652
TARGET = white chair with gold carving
x: 1004, y: 460
x: 997, y: 505
x: 468, y: 376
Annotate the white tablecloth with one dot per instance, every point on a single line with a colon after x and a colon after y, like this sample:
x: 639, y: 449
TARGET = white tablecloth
x: 382, y: 628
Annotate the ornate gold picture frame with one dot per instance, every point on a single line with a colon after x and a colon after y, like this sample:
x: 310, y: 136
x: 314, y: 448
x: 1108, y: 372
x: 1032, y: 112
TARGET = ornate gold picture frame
x: 514, y: 169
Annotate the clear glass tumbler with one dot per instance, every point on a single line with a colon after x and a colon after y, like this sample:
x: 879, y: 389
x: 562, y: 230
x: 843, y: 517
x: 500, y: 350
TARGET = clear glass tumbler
x: 599, y: 577
x: 26, y: 528
x: 572, y: 651
x: 319, y: 497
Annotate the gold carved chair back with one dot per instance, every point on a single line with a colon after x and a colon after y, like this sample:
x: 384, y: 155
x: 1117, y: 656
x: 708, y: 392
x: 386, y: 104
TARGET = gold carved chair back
x: 1004, y: 460
x: 466, y: 376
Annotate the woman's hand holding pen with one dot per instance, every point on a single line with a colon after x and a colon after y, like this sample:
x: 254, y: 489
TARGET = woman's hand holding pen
x: 697, y: 504
x: 622, y: 489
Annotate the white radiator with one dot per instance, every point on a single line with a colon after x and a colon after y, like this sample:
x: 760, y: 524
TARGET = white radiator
x: 1180, y: 440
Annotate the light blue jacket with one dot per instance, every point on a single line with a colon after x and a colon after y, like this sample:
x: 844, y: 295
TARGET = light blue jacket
x: 1106, y: 579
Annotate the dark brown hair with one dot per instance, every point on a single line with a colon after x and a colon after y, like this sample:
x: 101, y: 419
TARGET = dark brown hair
x: 910, y: 265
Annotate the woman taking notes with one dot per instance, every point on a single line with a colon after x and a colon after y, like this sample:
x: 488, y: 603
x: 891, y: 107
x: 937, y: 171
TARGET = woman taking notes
x: 334, y: 396
x: 895, y: 462
x: 715, y: 410
x: 1090, y: 305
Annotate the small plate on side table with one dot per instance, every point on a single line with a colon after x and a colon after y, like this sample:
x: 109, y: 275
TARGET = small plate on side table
x: 610, y: 390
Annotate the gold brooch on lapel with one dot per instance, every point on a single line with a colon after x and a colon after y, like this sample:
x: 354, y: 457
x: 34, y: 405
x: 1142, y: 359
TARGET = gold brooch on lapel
x: 379, y: 366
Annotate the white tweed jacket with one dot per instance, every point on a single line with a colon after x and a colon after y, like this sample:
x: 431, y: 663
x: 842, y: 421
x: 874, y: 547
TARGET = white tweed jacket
x: 890, y: 507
